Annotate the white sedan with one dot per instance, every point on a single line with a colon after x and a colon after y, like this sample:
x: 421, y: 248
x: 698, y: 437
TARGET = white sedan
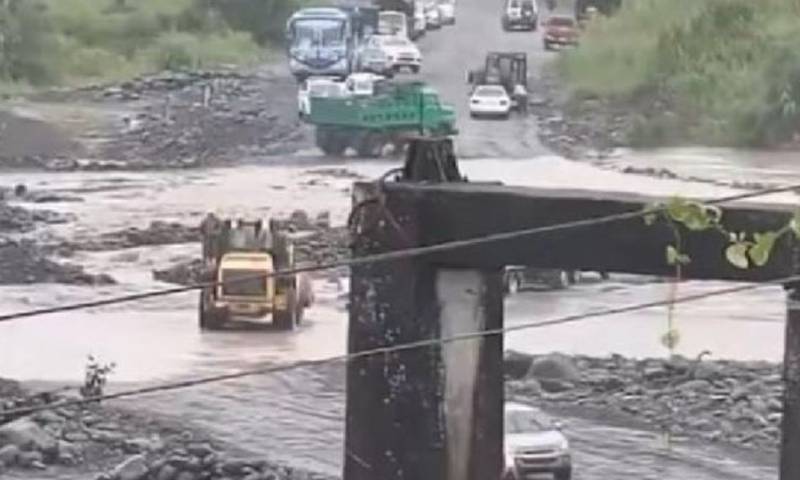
x: 489, y: 100
x: 401, y: 52
x: 447, y: 12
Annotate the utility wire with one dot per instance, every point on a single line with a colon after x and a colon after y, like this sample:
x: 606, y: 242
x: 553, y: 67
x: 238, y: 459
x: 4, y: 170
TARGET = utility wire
x: 377, y: 258
x: 396, y: 348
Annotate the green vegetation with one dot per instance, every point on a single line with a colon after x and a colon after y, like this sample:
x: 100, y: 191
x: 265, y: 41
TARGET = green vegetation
x: 47, y: 42
x: 728, y: 70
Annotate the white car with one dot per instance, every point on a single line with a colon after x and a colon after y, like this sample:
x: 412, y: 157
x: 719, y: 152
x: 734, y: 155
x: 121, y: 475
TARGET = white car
x: 447, y: 12
x: 433, y: 19
x: 316, y: 87
x: 534, y: 445
x: 393, y: 23
x: 362, y: 84
x: 420, y: 21
x: 401, y: 52
x: 489, y: 101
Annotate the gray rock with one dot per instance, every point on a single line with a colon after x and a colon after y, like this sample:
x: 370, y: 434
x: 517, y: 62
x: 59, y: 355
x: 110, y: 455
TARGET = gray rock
x: 167, y: 472
x: 555, y: 385
x: 76, y: 436
x: 9, y: 454
x: 515, y: 364
x: 48, y: 416
x: 69, y: 449
x: 199, y: 449
x: 554, y: 367
x: 31, y: 459
x: 186, y: 476
x: 133, y: 468
x: 143, y: 445
x: 28, y: 435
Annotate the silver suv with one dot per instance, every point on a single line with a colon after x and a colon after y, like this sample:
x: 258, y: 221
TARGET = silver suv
x: 534, y: 445
x: 520, y: 14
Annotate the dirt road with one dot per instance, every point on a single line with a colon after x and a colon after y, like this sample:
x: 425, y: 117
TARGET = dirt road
x: 451, y: 53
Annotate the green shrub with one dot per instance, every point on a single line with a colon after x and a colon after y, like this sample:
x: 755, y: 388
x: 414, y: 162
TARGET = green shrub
x: 729, y: 67
x: 57, y: 41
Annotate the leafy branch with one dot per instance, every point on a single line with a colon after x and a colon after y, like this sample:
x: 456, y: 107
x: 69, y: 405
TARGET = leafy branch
x: 743, y: 251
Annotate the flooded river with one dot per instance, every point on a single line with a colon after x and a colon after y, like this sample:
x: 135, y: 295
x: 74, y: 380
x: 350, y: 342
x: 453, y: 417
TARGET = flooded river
x: 296, y: 416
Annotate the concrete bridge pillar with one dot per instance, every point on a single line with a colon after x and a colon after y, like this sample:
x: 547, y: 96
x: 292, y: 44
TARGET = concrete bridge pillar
x: 434, y: 412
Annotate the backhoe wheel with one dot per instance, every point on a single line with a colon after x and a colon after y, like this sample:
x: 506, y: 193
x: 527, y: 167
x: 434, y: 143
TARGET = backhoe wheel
x: 370, y: 145
x: 557, y: 279
x: 291, y: 317
x: 331, y: 142
x: 209, y: 318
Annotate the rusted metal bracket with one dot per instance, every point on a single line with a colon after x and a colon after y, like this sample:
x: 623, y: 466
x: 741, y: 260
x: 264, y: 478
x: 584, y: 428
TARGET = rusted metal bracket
x: 431, y: 160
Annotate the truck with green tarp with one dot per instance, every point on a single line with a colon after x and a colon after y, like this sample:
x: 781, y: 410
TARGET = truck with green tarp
x: 396, y: 112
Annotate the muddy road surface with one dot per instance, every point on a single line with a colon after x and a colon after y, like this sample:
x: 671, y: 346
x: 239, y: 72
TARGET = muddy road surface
x: 296, y: 416
x: 448, y: 56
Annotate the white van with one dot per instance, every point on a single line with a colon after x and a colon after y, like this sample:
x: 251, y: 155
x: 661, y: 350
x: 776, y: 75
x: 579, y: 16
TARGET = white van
x: 393, y: 23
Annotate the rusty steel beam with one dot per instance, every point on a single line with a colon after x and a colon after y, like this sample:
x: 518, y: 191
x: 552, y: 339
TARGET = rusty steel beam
x: 462, y: 211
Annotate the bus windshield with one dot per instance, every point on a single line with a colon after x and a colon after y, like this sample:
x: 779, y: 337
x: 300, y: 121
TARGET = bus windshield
x: 318, y: 32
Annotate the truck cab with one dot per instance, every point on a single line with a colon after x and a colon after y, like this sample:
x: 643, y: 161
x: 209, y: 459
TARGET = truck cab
x: 244, y: 289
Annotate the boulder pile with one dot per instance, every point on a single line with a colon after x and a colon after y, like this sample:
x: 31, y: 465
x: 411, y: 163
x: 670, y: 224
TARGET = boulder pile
x: 720, y: 401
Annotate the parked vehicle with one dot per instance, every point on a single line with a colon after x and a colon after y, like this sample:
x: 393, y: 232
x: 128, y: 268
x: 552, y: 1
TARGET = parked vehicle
x: 240, y: 256
x: 605, y: 7
x: 447, y: 12
x: 560, y: 30
x: 400, y: 52
x: 534, y: 444
x: 362, y: 84
x: 413, y: 11
x: 489, y: 101
x: 325, y: 41
x: 507, y: 69
x: 520, y: 14
x: 319, y: 87
x: 396, y: 112
x: 393, y: 23
x: 433, y: 19
x: 420, y: 19
x: 373, y: 58
x: 516, y: 278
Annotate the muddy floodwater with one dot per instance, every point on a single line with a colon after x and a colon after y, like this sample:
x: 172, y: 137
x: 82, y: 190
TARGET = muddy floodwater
x: 296, y: 416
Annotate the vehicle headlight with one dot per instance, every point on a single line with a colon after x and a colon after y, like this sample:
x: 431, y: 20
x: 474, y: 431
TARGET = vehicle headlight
x: 510, y: 457
x: 564, y: 445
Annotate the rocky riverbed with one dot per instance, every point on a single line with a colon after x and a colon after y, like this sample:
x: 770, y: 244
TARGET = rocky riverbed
x: 25, y: 260
x: 91, y: 441
x: 738, y: 403
x: 169, y: 120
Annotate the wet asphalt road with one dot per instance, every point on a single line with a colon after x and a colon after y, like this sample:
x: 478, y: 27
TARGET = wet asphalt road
x: 296, y: 416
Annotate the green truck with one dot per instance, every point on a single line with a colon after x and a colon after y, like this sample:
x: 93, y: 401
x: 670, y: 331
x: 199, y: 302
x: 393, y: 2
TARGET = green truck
x: 396, y: 112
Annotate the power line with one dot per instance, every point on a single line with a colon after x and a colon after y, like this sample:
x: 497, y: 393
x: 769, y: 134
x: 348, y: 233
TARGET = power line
x: 377, y: 258
x: 398, y: 348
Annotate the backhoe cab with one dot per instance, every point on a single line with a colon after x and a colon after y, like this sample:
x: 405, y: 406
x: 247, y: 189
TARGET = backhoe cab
x: 508, y: 69
x: 240, y: 258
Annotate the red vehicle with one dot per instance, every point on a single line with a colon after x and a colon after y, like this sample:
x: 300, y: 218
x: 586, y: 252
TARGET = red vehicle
x: 560, y: 30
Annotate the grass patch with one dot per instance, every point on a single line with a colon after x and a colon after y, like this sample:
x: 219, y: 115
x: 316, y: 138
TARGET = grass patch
x: 67, y: 42
x: 728, y: 68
